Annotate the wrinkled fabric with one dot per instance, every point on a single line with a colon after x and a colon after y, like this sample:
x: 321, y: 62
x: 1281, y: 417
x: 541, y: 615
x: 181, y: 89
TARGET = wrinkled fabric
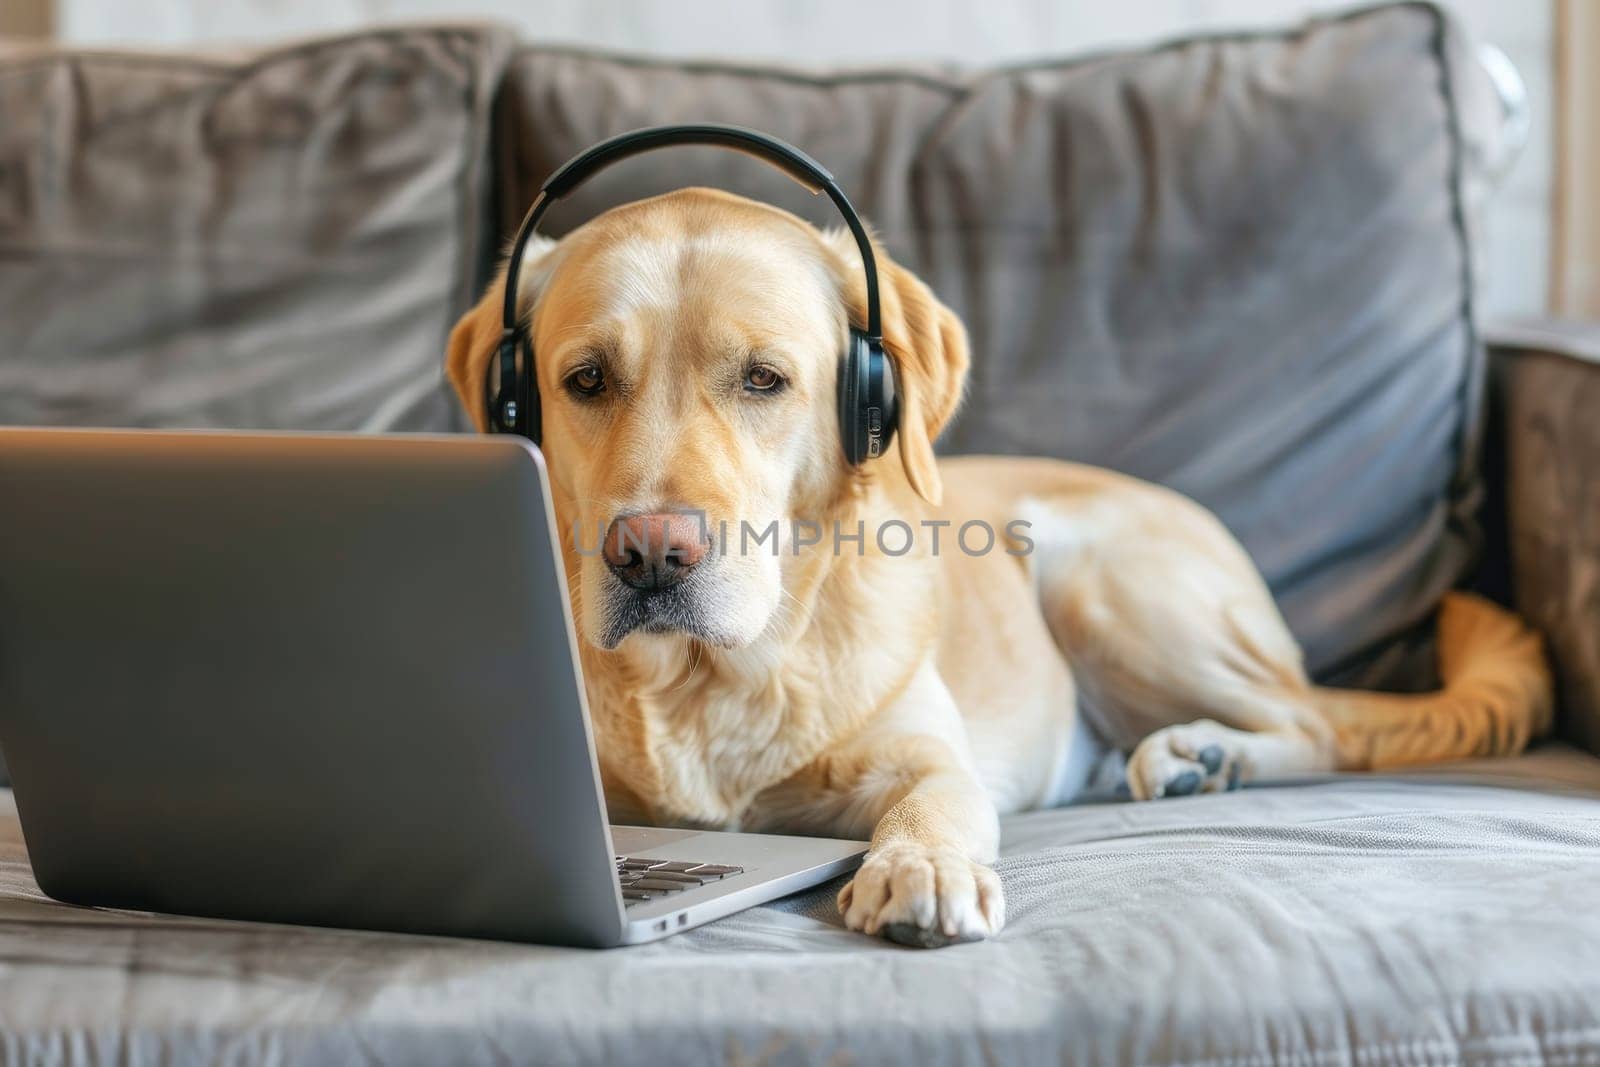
x: 278, y: 241
x: 1242, y: 266
x: 1442, y: 916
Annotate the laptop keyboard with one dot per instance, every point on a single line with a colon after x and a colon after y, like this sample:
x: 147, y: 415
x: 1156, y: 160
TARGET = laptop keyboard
x: 645, y: 879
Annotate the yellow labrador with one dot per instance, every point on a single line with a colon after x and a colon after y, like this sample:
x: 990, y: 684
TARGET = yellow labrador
x: 796, y: 662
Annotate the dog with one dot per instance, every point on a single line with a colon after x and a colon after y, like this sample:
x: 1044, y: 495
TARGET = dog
x: 879, y: 686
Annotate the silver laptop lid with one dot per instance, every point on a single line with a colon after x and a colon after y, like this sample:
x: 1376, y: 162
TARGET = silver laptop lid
x: 257, y: 675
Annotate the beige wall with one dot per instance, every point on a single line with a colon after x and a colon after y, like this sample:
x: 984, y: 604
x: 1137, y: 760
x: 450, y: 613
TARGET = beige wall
x: 1575, y: 259
x: 26, y: 18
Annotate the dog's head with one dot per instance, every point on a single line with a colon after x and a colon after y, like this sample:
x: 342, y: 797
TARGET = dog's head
x: 688, y: 350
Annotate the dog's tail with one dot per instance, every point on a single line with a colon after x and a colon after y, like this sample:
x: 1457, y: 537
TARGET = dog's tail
x: 1497, y: 696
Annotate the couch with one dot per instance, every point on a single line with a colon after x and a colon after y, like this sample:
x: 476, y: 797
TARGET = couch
x: 1247, y: 266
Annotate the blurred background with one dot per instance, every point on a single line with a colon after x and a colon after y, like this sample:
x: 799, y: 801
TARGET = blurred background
x: 1545, y: 236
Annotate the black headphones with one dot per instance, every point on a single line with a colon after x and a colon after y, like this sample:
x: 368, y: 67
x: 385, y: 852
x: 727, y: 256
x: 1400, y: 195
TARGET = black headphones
x: 867, y: 407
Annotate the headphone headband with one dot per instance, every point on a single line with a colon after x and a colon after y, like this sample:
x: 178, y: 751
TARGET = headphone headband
x: 868, y: 408
x: 785, y: 157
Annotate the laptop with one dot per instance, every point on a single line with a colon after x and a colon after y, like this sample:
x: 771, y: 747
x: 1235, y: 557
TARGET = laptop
x: 325, y: 680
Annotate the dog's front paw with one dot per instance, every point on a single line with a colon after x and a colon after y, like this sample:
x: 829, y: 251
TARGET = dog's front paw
x: 923, y: 896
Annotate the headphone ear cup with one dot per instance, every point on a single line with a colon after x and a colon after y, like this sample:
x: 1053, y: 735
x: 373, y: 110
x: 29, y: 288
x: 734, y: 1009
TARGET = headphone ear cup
x: 888, y: 397
x: 868, y: 400
x: 512, y: 404
x: 528, y: 393
x: 852, y: 424
x: 877, y: 398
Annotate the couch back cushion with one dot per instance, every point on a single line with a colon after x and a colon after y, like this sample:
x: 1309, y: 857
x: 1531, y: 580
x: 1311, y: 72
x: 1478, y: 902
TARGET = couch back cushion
x: 280, y: 240
x: 1241, y: 266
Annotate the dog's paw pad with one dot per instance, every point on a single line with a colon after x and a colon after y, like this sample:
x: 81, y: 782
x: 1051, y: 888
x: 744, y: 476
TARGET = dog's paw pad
x: 1210, y: 758
x: 1181, y: 785
x: 923, y: 937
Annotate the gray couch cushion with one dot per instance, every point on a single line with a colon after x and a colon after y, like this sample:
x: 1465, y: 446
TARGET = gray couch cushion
x: 1440, y: 917
x: 280, y: 240
x: 1236, y: 265
x: 865, y: 126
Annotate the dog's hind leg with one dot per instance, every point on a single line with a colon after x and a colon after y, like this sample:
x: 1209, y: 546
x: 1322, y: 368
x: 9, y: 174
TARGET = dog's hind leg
x: 1223, y: 733
x: 1175, y: 642
x: 1496, y: 698
x: 1180, y: 651
x: 1206, y: 756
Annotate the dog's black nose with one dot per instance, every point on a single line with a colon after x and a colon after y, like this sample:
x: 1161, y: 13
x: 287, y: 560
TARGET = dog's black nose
x: 654, y: 551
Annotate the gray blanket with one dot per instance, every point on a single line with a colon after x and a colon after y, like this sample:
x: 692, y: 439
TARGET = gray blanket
x: 1442, y: 916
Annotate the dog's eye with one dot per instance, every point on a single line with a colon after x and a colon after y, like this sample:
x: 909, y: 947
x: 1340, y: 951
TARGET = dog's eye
x: 587, y: 380
x: 762, y: 379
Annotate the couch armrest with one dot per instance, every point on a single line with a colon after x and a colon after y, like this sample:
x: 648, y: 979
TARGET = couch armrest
x: 1547, y: 393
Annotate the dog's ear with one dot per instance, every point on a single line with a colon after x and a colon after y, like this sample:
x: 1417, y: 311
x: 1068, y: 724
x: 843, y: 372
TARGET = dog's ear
x: 928, y: 344
x: 476, y: 337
